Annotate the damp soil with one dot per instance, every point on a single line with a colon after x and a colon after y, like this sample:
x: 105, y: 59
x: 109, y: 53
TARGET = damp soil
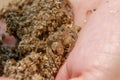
x: 45, y: 35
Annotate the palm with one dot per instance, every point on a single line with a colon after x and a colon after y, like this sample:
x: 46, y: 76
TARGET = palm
x: 96, y: 55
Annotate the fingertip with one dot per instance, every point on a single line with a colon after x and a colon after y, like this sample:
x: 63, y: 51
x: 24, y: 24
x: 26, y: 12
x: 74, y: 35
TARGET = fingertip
x: 63, y: 73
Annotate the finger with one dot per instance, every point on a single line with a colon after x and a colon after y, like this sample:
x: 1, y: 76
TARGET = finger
x: 63, y: 73
x: 7, y: 39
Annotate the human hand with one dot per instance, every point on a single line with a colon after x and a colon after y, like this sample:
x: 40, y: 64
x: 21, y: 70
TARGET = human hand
x: 8, y: 40
x: 96, y: 55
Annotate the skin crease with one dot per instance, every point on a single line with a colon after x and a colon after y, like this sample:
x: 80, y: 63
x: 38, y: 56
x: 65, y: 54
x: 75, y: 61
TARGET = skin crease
x: 96, y: 55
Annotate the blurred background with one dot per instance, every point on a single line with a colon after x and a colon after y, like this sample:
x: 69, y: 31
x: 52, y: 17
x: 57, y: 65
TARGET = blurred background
x: 3, y: 3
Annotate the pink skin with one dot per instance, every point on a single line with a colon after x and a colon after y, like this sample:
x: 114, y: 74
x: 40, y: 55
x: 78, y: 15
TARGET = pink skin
x: 96, y: 55
x: 8, y: 40
x: 5, y: 79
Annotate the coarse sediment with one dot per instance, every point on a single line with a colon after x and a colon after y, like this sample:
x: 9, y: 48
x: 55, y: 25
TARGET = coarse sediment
x: 45, y: 35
